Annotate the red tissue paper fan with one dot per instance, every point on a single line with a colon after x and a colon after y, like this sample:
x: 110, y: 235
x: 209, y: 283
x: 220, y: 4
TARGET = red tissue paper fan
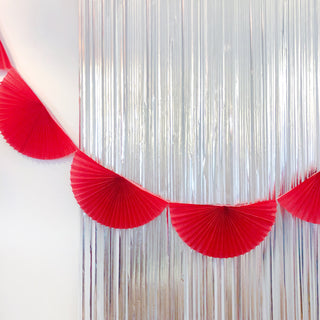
x: 223, y: 231
x: 4, y: 60
x: 303, y: 201
x: 109, y: 198
x: 27, y: 125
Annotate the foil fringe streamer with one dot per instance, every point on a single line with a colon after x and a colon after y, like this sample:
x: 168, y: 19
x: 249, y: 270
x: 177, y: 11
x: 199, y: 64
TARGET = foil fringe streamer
x: 220, y: 97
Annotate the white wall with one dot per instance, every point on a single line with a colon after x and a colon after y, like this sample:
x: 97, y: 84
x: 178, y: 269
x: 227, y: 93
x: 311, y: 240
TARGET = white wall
x: 39, y: 218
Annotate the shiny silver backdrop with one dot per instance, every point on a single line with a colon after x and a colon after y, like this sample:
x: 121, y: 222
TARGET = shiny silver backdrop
x: 209, y: 101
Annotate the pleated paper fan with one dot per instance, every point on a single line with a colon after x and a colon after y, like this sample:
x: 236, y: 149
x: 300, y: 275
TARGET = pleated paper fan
x: 223, y: 231
x: 303, y: 201
x: 109, y: 198
x: 4, y: 60
x: 27, y: 125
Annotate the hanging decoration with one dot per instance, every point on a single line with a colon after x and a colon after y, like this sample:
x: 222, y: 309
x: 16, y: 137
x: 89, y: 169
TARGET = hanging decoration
x: 303, y: 201
x: 109, y: 198
x: 4, y: 60
x: 223, y: 231
x: 27, y: 125
x: 214, y: 230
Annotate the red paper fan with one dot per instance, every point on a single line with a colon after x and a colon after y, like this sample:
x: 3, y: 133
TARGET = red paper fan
x: 4, y: 60
x: 223, y: 231
x: 303, y: 201
x: 109, y: 198
x: 27, y: 125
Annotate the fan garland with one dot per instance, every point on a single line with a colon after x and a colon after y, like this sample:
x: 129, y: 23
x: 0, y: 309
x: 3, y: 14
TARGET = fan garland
x: 109, y: 198
x: 27, y: 125
x: 202, y: 227
x: 220, y: 231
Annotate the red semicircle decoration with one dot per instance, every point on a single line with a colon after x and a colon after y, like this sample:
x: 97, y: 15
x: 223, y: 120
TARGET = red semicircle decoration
x: 223, y: 231
x: 303, y: 201
x: 4, y: 60
x: 27, y: 125
x: 109, y: 198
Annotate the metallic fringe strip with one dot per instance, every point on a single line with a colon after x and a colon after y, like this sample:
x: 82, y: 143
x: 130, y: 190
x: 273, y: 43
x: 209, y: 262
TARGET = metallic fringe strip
x: 203, y: 102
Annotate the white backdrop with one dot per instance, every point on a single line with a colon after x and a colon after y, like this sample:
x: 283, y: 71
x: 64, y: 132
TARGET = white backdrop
x: 39, y: 218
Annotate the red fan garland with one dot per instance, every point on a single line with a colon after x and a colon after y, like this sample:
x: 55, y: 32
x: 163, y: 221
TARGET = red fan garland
x: 4, y: 60
x: 27, y: 125
x: 109, y: 198
x: 303, y: 201
x: 223, y: 231
x: 112, y: 200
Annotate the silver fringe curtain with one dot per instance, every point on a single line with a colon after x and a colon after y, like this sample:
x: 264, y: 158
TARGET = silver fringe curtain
x: 201, y: 102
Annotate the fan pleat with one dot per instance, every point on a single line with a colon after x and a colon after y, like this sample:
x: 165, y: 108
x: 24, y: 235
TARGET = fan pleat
x: 27, y: 125
x: 303, y: 201
x: 223, y: 231
x: 109, y: 198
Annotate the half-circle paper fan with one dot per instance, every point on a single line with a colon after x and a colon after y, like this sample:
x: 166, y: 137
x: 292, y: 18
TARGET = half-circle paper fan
x: 303, y: 201
x: 4, y: 60
x: 223, y: 231
x: 27, y: 125
x: 109, y: 198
